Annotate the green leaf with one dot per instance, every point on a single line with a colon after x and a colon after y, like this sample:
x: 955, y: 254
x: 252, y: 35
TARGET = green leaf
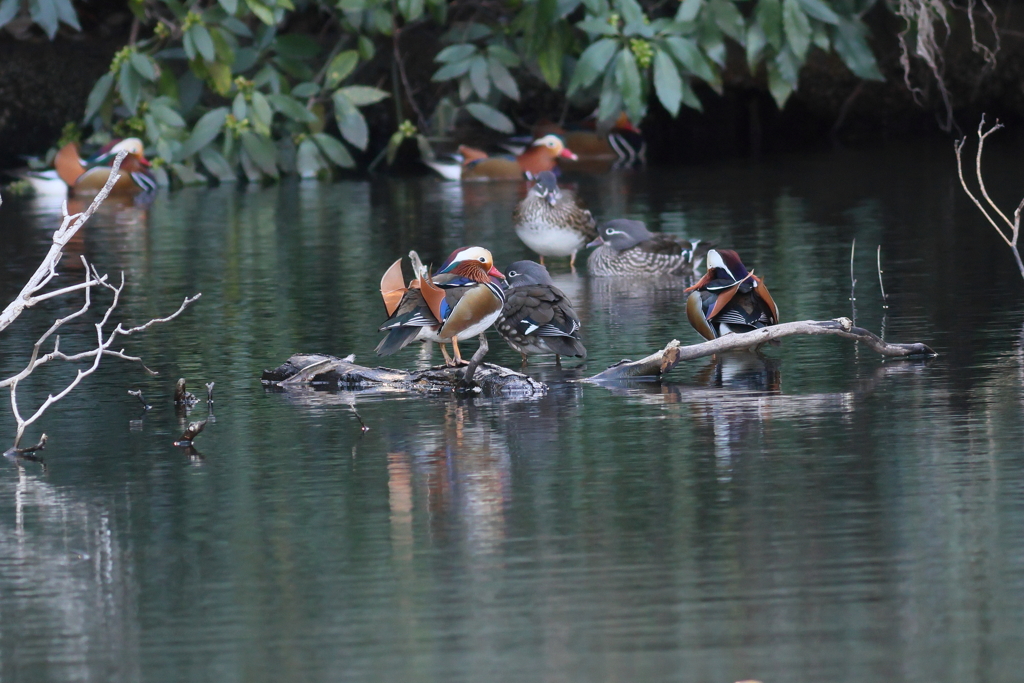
x: 798, y: 28
x: 230, y: 6
x: 8, y: 10
x: 689, y: 9
x: 549, y: 59
x: 627, y: 75
x: 307, y: 89
x: 205, y: 131
x: 667, y: 83
x: 44, y: 13
x: 364, y: 95
x: 503, y: 55
x: 166, y: 115
x: 239, y: 107
x: 334, y: 150
x: 411, y: 9
x: 394, y: 142
x: 778, y: 86
x: 490, y: 117
x: 728, y: 18
x: 129, y: 84
x: 350, y: 122
x: 186, y: 175
x: 631, y: 11
x: 610, y: 103
x: 291, y: 107
x: 478, y: 77
x: 592, y: 63
x: 145, y: 66
x: 262, y: 151
x: 341, y: 66
x: 756, y: 43
x: 597, y: 26
x: 851, y: 45
x: 203, y: 42
x: 188, y: 45
x: 452, y: 70
x: 788, y: 67
x: 690, y: 98
x: 820, y: 11
x: 308, y: 161
x: 216, y: 165
x: 689, y: 56
x: 366, y: 48
x: 262, y: 113
x: 455, y: 53
x: 502, y: 79
x: 262, y: 12
x: 768, y: 15
x: 98, y: 95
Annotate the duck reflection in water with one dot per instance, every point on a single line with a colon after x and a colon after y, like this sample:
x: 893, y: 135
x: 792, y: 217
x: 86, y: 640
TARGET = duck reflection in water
x: 463, y: 471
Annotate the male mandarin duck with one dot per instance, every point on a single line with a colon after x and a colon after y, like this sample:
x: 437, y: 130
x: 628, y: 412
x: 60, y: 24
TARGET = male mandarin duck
x: 552, y: 222
x: 461, y: 301
x: 84, y: 178
x: 475, y: 164
x: 626, y: 247
x: 538, y: 319
x: 623, y: 144
x: 729, y: 299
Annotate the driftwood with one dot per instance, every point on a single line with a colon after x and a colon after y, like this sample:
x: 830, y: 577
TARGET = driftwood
x: 343, y: 373
x: 663, y: 361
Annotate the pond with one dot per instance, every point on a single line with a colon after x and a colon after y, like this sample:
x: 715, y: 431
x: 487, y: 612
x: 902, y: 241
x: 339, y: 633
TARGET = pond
x: 819, y: 514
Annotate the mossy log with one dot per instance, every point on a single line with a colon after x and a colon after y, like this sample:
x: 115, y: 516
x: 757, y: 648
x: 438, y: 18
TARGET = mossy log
x: 663, y: 361
x: 330, y: 372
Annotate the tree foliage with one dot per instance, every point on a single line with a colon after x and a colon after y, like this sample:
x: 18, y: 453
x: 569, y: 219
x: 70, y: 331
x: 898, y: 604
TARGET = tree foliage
x: 240, y: 88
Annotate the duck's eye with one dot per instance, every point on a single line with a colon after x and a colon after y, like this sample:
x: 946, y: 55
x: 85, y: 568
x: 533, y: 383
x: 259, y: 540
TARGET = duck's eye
x: 483, y: 260
x: 512, y: 273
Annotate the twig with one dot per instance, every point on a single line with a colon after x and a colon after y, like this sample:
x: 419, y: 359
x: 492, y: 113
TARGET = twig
x: 137, y: 393
x: 362, y: 425
x: 881, y: 286
x: 853, y: 282
x: 209, y: 392
x: 664, y: 360
x: 395, y: 36
x: 1014, y: 226
x: 190, y: 433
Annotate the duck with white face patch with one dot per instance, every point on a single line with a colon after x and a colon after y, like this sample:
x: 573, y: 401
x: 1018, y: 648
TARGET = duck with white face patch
x: 729, y: 299
x: 538, y: 318
x: 626, y: 247
x: 461, y: 301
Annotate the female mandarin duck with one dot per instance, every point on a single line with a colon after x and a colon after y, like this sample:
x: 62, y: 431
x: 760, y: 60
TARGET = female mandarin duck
x: 461, y: 301
x: 729, y: 299
x: 538, y: 319
x: 84, y: 178
x: 552, y: 222
x: 477, y: 165
x: 626, y: 247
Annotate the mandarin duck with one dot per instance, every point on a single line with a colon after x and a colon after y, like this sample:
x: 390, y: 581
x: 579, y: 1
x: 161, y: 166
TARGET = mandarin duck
x: 88, y: 178
x: 552, y: 222
x: 626, y: 247
x: 728, y: 298
x: 538, y: 319
x: 460, y: 301
x: 475, y: 164
x: 623, y: 144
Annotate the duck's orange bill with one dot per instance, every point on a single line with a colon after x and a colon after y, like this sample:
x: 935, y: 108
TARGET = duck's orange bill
x: 392, y: 287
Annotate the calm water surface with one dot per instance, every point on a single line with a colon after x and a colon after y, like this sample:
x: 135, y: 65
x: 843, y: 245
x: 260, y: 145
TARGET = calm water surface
x: 817, y: 515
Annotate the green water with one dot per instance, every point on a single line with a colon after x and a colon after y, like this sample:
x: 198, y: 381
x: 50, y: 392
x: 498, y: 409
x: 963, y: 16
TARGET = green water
x: 819, y: 515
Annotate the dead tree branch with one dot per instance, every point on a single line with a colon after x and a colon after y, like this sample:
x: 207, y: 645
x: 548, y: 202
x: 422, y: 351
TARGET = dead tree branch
x: 105, y: 338
x: 1012, y: 230
x: 666, y: 359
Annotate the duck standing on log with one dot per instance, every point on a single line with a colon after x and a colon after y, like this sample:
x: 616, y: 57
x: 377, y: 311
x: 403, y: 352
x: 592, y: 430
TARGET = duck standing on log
x: 552, y: 222
x: 461, y: 301
x: 729, y: 299
x: 538, y: 319
x: 627, y: 247
x: 475, y: 164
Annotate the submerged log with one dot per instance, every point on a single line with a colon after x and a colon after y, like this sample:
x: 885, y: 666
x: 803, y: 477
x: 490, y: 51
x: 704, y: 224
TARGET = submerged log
x: 663, y: 361
x: 343, y: 373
